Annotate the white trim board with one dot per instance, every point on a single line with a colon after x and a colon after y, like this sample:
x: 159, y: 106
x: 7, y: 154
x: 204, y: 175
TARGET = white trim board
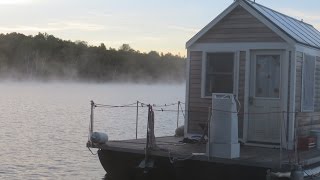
x: 307, y: 50
x: 284, y: 101
x: 292, y: 99
x: 237, y: 46
x: 186, y: 120
x: 246, y: 97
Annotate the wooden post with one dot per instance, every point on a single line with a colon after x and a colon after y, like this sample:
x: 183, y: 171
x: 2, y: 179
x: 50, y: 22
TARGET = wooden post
x: 137, y: 118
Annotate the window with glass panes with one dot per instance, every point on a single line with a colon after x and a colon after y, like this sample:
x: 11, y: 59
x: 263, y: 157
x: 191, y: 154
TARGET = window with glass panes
x: 219, y: 77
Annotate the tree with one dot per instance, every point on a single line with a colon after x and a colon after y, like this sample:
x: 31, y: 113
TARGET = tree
x: 102, y: 46
x: 44, y: 56
x: 125, y: 47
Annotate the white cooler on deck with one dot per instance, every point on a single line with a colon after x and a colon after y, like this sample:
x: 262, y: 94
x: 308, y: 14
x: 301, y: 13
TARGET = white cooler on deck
x: 223, y: 130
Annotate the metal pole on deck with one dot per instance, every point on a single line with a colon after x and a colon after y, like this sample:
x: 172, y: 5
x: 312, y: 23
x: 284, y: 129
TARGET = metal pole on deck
x: 178, y: 114
x: 296, y: 142
x: 281, y: 120
x: 91, y: 118
x: 209, y: 131
x: 137, y: 117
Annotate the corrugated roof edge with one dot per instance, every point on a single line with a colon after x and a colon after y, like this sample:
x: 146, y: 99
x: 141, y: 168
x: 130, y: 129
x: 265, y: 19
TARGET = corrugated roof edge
x: 280, y: 13
x: 248, y: 3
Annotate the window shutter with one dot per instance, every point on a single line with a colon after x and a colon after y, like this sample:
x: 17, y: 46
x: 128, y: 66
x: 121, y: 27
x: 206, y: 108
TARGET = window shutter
x: 308, y: 83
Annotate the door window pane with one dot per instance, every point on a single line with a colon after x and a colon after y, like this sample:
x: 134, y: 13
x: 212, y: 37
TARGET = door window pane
x: 219, y: 73
x: 267, y: 76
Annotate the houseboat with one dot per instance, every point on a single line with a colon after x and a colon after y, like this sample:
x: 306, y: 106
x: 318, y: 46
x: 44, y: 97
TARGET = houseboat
x: 253, y: 98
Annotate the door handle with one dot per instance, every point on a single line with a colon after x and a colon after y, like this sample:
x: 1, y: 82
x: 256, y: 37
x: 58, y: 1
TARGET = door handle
x: 250, y: 100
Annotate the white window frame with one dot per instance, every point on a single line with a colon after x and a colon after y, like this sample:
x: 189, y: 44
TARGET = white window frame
x: 204, y: 69
x: 302, y: 84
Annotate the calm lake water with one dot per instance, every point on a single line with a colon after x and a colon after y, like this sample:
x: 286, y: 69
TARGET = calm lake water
x: 44, y: 126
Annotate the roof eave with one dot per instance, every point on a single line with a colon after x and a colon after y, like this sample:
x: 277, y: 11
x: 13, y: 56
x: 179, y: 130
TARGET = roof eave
x: 308, y: 45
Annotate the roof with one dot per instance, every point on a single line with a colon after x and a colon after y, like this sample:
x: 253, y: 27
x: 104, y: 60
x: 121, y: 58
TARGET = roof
x: 298, y: 30
x: 295, y: 29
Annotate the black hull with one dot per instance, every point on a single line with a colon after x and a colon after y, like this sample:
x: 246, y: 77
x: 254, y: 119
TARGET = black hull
x: 124, y: 166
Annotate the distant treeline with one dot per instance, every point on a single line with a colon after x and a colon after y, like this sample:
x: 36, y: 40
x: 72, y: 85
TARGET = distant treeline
x: 45, y: 57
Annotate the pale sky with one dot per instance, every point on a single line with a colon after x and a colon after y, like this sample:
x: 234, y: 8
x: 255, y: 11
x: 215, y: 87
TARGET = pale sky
x: 163, y: 25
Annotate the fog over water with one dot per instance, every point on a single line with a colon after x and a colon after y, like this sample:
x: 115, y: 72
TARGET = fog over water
x: 45, y: 125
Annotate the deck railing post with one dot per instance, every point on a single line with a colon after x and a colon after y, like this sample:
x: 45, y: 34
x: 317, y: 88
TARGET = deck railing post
x: 137, y: 119
x: 178, y: 114
x: 281, y: 143
x: 296, y: 141
x: 209, y: 131
x: 91, y: 118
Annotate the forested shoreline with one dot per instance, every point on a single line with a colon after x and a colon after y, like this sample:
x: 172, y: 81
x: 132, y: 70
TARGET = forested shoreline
x: 44, y: 57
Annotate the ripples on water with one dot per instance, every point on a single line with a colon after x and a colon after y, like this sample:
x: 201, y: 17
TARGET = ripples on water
x: 45, y: 126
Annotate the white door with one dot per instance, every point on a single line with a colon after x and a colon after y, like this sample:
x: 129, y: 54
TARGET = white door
x: 265, y: 97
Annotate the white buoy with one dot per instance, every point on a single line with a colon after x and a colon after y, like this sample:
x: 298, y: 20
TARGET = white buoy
x: 179, y: 131
x: 98, y: 137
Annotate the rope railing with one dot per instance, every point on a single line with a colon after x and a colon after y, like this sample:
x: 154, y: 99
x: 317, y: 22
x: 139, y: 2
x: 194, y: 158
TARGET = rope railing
x: 115, y: 106
x: 138, y: 105
x: 234, y: 112
x: 161, y: 108
x: 168, y: 107
x: 161, y: 105
x: 141, y: 104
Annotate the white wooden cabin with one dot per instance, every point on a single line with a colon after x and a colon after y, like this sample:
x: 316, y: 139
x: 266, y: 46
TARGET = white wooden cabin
x: 270, y: 61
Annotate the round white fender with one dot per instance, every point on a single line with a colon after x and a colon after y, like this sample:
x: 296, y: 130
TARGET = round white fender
x: 98, y: 137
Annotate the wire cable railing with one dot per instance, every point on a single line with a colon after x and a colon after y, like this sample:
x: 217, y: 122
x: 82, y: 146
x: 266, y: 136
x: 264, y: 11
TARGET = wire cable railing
x: 170, y: 107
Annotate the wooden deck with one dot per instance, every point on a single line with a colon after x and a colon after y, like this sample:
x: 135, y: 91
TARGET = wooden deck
x: 249, y: 155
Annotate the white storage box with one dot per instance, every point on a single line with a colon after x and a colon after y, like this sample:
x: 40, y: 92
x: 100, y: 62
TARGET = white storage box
x: 223, y: 130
